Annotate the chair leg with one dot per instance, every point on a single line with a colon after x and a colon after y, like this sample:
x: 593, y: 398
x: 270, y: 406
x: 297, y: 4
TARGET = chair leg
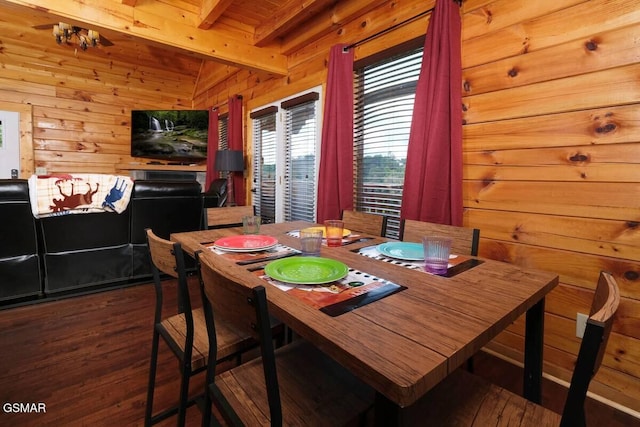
x: 206, y: 410
x: 152, y: 378
x: 184, y: 395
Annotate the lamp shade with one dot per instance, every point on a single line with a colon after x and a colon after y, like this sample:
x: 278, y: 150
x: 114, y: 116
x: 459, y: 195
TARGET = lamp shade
x: 229, y: 161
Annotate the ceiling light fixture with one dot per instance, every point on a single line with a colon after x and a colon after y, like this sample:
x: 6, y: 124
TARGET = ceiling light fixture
x: 65, y: 33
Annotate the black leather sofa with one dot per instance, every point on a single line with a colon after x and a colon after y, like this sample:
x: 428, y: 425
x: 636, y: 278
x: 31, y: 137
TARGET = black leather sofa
x: 71, y: 254
x: 20, y: 274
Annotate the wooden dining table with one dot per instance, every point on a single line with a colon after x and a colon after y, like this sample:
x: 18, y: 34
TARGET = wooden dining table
x: 404, y: 344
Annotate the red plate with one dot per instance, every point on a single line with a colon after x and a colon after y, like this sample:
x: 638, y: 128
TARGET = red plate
x: 245, y: 243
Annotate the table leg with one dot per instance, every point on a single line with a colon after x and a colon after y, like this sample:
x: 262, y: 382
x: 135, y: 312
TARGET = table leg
x: 387, y: 413
x: 533, y: 345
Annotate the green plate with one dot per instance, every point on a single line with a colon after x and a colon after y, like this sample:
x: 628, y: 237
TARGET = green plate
x: 306, y: 270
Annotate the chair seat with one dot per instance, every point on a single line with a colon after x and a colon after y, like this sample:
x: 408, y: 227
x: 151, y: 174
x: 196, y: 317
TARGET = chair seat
x: 315, y: 390
x: 230, y: 341
x: 464, y: 399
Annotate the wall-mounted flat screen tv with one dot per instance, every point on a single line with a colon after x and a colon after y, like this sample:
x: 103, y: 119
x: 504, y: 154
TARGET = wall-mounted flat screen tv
x: 173, y: 135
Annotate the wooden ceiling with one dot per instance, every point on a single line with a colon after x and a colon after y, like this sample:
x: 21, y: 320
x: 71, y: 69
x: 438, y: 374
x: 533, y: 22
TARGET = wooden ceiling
x: 245, y: 34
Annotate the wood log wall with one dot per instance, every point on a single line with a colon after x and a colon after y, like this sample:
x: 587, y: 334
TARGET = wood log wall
x: 81, y: 102
x: 551, y: 141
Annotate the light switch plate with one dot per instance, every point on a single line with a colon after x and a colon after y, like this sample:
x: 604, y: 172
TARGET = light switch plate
x: 581, y: 324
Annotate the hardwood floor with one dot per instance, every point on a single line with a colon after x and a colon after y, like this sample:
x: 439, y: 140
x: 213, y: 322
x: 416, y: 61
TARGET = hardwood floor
x: 87, y: 359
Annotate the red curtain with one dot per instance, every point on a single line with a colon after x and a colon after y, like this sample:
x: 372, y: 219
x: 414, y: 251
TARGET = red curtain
x: 335, y: 181
x: 236, y: 143
x: 212, y: 147
x: 433, y: 176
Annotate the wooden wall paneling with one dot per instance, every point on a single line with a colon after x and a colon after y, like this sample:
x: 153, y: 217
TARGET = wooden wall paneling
x: 604, y: 237
x: 573, y: 156
x: 582, y: 92
x: 55, y: 145
x: 596, y: 52
x: 580, y: 199
x: 486, y: 16
x: 574, y: 268
x: 58, y: 69
x: 25, y: 88
x: 584, y: 19
x: 586, y: 172
x: 608, y: 125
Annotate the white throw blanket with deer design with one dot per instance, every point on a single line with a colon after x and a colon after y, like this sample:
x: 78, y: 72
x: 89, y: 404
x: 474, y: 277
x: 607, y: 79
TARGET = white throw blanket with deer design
x: 54, y: 195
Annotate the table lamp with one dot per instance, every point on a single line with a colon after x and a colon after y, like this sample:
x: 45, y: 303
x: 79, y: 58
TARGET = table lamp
x: 230, y: 161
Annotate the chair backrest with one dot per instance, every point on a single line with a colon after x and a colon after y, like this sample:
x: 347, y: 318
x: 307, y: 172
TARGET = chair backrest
x: 217, y: 191
x: 167, y: 258
x: 244, y: 308
x: 230, y: 216
x: 465, y: 240
x: 592, y: 349
x: 165, y: 207
x: 365, y: 222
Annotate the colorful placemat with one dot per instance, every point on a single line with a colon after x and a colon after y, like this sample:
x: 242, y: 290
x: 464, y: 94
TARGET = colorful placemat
x: 346, y: 240
x: 341, y: 296
x: 457, y: 263
x: 244, y: 258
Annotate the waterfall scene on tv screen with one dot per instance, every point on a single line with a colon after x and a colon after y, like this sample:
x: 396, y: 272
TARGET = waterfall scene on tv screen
x: 179, y: 135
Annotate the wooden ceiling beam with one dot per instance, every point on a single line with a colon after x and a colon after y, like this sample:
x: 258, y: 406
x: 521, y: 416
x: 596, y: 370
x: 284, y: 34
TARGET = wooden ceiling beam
x: 327, y: 21
x: 289, y: 16
x: 170, y: 32
x: 210, y: 11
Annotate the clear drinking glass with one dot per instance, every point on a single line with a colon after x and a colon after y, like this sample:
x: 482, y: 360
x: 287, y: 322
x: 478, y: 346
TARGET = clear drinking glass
x: 311, y: 241
x: 251, y: 224
x: 436, y: 253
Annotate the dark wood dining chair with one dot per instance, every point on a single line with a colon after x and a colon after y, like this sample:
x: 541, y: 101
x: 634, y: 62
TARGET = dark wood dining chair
x: 228, y: 216
x: 464, y: 399
x: 185, y: 332
x: 294, y: 385
x: 365, y: 222
x: 465, y: 239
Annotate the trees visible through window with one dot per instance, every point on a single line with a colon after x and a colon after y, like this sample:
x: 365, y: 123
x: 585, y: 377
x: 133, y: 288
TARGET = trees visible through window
x: 383, y: 110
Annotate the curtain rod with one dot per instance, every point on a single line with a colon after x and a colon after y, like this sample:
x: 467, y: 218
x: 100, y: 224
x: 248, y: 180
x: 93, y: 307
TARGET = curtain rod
x: 387, y: 30
x: 215, y: 107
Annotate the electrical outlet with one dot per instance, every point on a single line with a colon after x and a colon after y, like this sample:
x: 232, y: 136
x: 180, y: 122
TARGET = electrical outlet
x: 41, y: 171
x: 581, y: 324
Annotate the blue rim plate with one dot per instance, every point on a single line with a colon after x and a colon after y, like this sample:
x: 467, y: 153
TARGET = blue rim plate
x: 306, y: 270
x: 402, y: 250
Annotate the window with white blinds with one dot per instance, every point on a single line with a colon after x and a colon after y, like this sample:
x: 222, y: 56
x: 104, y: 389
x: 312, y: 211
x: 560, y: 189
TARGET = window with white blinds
x: 286, y: 142
x: 223, y: 138
x: 300, y: 158
x: 383, y: 109
x: 264, y: 163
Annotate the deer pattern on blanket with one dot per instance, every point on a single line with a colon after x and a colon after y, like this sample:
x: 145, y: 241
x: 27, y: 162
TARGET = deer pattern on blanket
x: 73, y: 200
x: 64, y: 194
